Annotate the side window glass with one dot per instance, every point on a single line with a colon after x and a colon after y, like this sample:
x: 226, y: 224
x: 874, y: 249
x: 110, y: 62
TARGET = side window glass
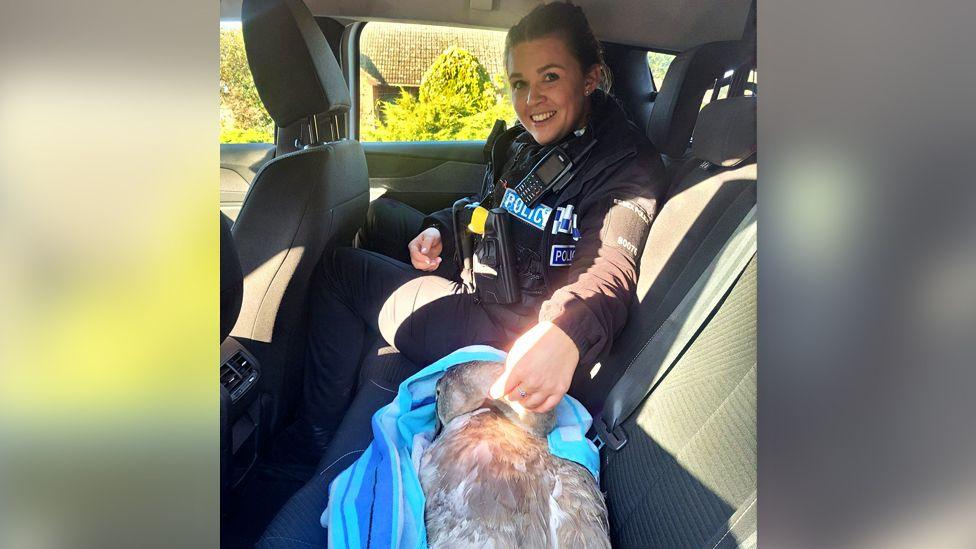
x: 431, y: 83
x: 723, y: 84
x: 658, y: 63
x: 243, y: 118
x: 752, y: 84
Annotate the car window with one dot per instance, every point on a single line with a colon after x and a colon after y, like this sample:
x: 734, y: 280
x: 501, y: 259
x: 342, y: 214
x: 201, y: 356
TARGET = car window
x: 658, y: 63
x: 752, y: 84
x: 243, y: 118
x: 431, y: 83
x: 719, y: 89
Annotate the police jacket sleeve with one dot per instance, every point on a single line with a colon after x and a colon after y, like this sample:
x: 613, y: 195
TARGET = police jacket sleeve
x: 592, y: 307
x: 443, y: 220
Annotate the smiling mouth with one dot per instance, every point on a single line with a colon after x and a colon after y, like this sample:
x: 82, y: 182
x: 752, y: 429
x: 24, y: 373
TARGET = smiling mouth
x: 542, y: 117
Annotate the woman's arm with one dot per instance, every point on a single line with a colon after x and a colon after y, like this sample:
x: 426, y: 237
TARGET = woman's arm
x: 582, y: 318
x: 592, y: 307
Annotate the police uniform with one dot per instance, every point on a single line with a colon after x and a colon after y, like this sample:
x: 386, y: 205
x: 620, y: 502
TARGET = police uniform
x: 576, y: 252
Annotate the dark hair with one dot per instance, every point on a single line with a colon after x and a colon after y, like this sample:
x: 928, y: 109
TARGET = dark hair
x: 566, y: 20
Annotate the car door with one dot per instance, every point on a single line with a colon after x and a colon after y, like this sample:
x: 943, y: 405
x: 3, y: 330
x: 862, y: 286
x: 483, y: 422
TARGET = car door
x: 239, y: 162
x: 426, y: 175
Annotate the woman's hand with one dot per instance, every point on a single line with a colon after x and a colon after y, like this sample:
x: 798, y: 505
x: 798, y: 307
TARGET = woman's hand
x: 425, y: 250
x: 540, y: 364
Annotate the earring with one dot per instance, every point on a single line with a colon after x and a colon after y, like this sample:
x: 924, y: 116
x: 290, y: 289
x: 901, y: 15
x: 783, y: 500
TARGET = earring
x: 587, y: 92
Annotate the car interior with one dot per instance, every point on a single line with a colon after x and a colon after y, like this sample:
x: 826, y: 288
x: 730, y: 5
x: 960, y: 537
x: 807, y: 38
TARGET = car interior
x: 677, y: 471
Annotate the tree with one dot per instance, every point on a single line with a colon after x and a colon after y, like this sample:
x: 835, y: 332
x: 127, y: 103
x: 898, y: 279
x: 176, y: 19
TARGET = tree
x: 659, y: 63
x: 243, y: 118
x: 458, y: 99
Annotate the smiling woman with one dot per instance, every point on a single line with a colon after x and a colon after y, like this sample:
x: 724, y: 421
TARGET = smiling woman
x: 554, y: 62
x: 566, y: 307
x: 550, y: 88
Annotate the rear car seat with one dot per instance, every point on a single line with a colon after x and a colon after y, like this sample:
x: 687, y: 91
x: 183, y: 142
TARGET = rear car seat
x: 297, y: 524
x: 687, y: 475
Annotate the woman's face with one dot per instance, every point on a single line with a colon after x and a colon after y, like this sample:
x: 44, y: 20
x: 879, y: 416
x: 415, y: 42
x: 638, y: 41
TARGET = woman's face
x: 549, y: 88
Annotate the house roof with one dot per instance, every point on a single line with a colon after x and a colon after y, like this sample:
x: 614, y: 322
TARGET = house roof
x: 396, y: 54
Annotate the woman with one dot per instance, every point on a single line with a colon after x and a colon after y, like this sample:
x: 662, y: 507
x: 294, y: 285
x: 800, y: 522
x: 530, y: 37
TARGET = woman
x: 576, y: 250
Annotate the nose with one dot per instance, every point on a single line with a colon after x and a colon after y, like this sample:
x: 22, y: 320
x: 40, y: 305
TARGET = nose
x: 535, y: 95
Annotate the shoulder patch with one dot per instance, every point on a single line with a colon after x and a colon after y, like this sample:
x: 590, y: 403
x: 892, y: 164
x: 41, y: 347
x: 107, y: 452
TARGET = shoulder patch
x: 626, y: 226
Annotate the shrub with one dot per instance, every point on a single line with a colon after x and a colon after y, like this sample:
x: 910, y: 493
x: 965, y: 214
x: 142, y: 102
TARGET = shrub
x: 458, y: 100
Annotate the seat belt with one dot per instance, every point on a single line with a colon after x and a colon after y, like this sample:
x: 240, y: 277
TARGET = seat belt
x: 663, y: 349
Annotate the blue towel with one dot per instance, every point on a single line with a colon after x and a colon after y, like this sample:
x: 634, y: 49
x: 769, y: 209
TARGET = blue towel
x: 378, y: 501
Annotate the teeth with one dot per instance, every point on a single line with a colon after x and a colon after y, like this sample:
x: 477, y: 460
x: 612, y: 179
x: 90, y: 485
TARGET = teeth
x: 543, y: 116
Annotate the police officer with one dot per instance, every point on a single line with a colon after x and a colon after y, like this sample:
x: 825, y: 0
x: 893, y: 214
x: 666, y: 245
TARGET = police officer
x: 576, y: 249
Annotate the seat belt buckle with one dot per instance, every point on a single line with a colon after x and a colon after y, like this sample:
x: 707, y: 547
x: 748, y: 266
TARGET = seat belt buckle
x: 615, y: 438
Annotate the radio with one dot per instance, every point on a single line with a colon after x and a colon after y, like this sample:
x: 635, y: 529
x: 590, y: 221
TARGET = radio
x: 543, y: 176
x: 483, y: 241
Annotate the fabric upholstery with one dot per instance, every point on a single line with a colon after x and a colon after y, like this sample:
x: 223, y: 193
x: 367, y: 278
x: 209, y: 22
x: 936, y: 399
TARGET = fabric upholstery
x: 689, y: 76
x: 687, y: 475
x: 726, y: 131
x: 299, y: 206
x: 690, y: 462
x: 231, y: 279
x: 295, y: 71
x: 631, y: 81
x: 695, y: 206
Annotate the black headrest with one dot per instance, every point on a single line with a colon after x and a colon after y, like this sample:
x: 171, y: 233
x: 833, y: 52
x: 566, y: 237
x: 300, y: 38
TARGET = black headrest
x: 689, y: 76
x: 295, y: 71
x: 231, y: 279
x: 726, y: 132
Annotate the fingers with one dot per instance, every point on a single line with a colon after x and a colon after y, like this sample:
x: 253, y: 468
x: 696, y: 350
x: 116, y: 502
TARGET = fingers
x: 424, y: 263
x: 497, y: 389
x: 424, y: 242
x: 425, y: 250
x: 421, y: 261
x: 430, y: 242
x: 551, y: 402
x: 505, y: 384
x: 533, y: 400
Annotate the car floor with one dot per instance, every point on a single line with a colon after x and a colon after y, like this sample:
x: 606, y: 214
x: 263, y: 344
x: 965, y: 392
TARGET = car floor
x: 285, y: 469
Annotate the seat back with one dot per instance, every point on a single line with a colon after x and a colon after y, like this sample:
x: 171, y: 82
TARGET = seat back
x: 690, y: 75
x: 301, y: 204
x: 231, y: 279
x: 687, y: 474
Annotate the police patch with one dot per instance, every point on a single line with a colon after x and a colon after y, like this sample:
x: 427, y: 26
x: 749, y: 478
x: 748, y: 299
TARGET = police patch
x: 561, y: 255
x: 537, y: 217
x: 626, y: 226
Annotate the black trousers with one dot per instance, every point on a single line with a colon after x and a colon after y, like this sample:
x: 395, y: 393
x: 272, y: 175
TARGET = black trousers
x: 358, y: 293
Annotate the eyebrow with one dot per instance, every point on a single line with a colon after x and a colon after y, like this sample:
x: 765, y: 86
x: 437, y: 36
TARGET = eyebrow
x: 549, y: 66
x: 539, y: 70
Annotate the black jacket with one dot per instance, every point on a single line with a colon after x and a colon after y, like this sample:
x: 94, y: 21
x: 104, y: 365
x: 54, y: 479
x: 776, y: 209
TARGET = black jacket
x: 582, y: 280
